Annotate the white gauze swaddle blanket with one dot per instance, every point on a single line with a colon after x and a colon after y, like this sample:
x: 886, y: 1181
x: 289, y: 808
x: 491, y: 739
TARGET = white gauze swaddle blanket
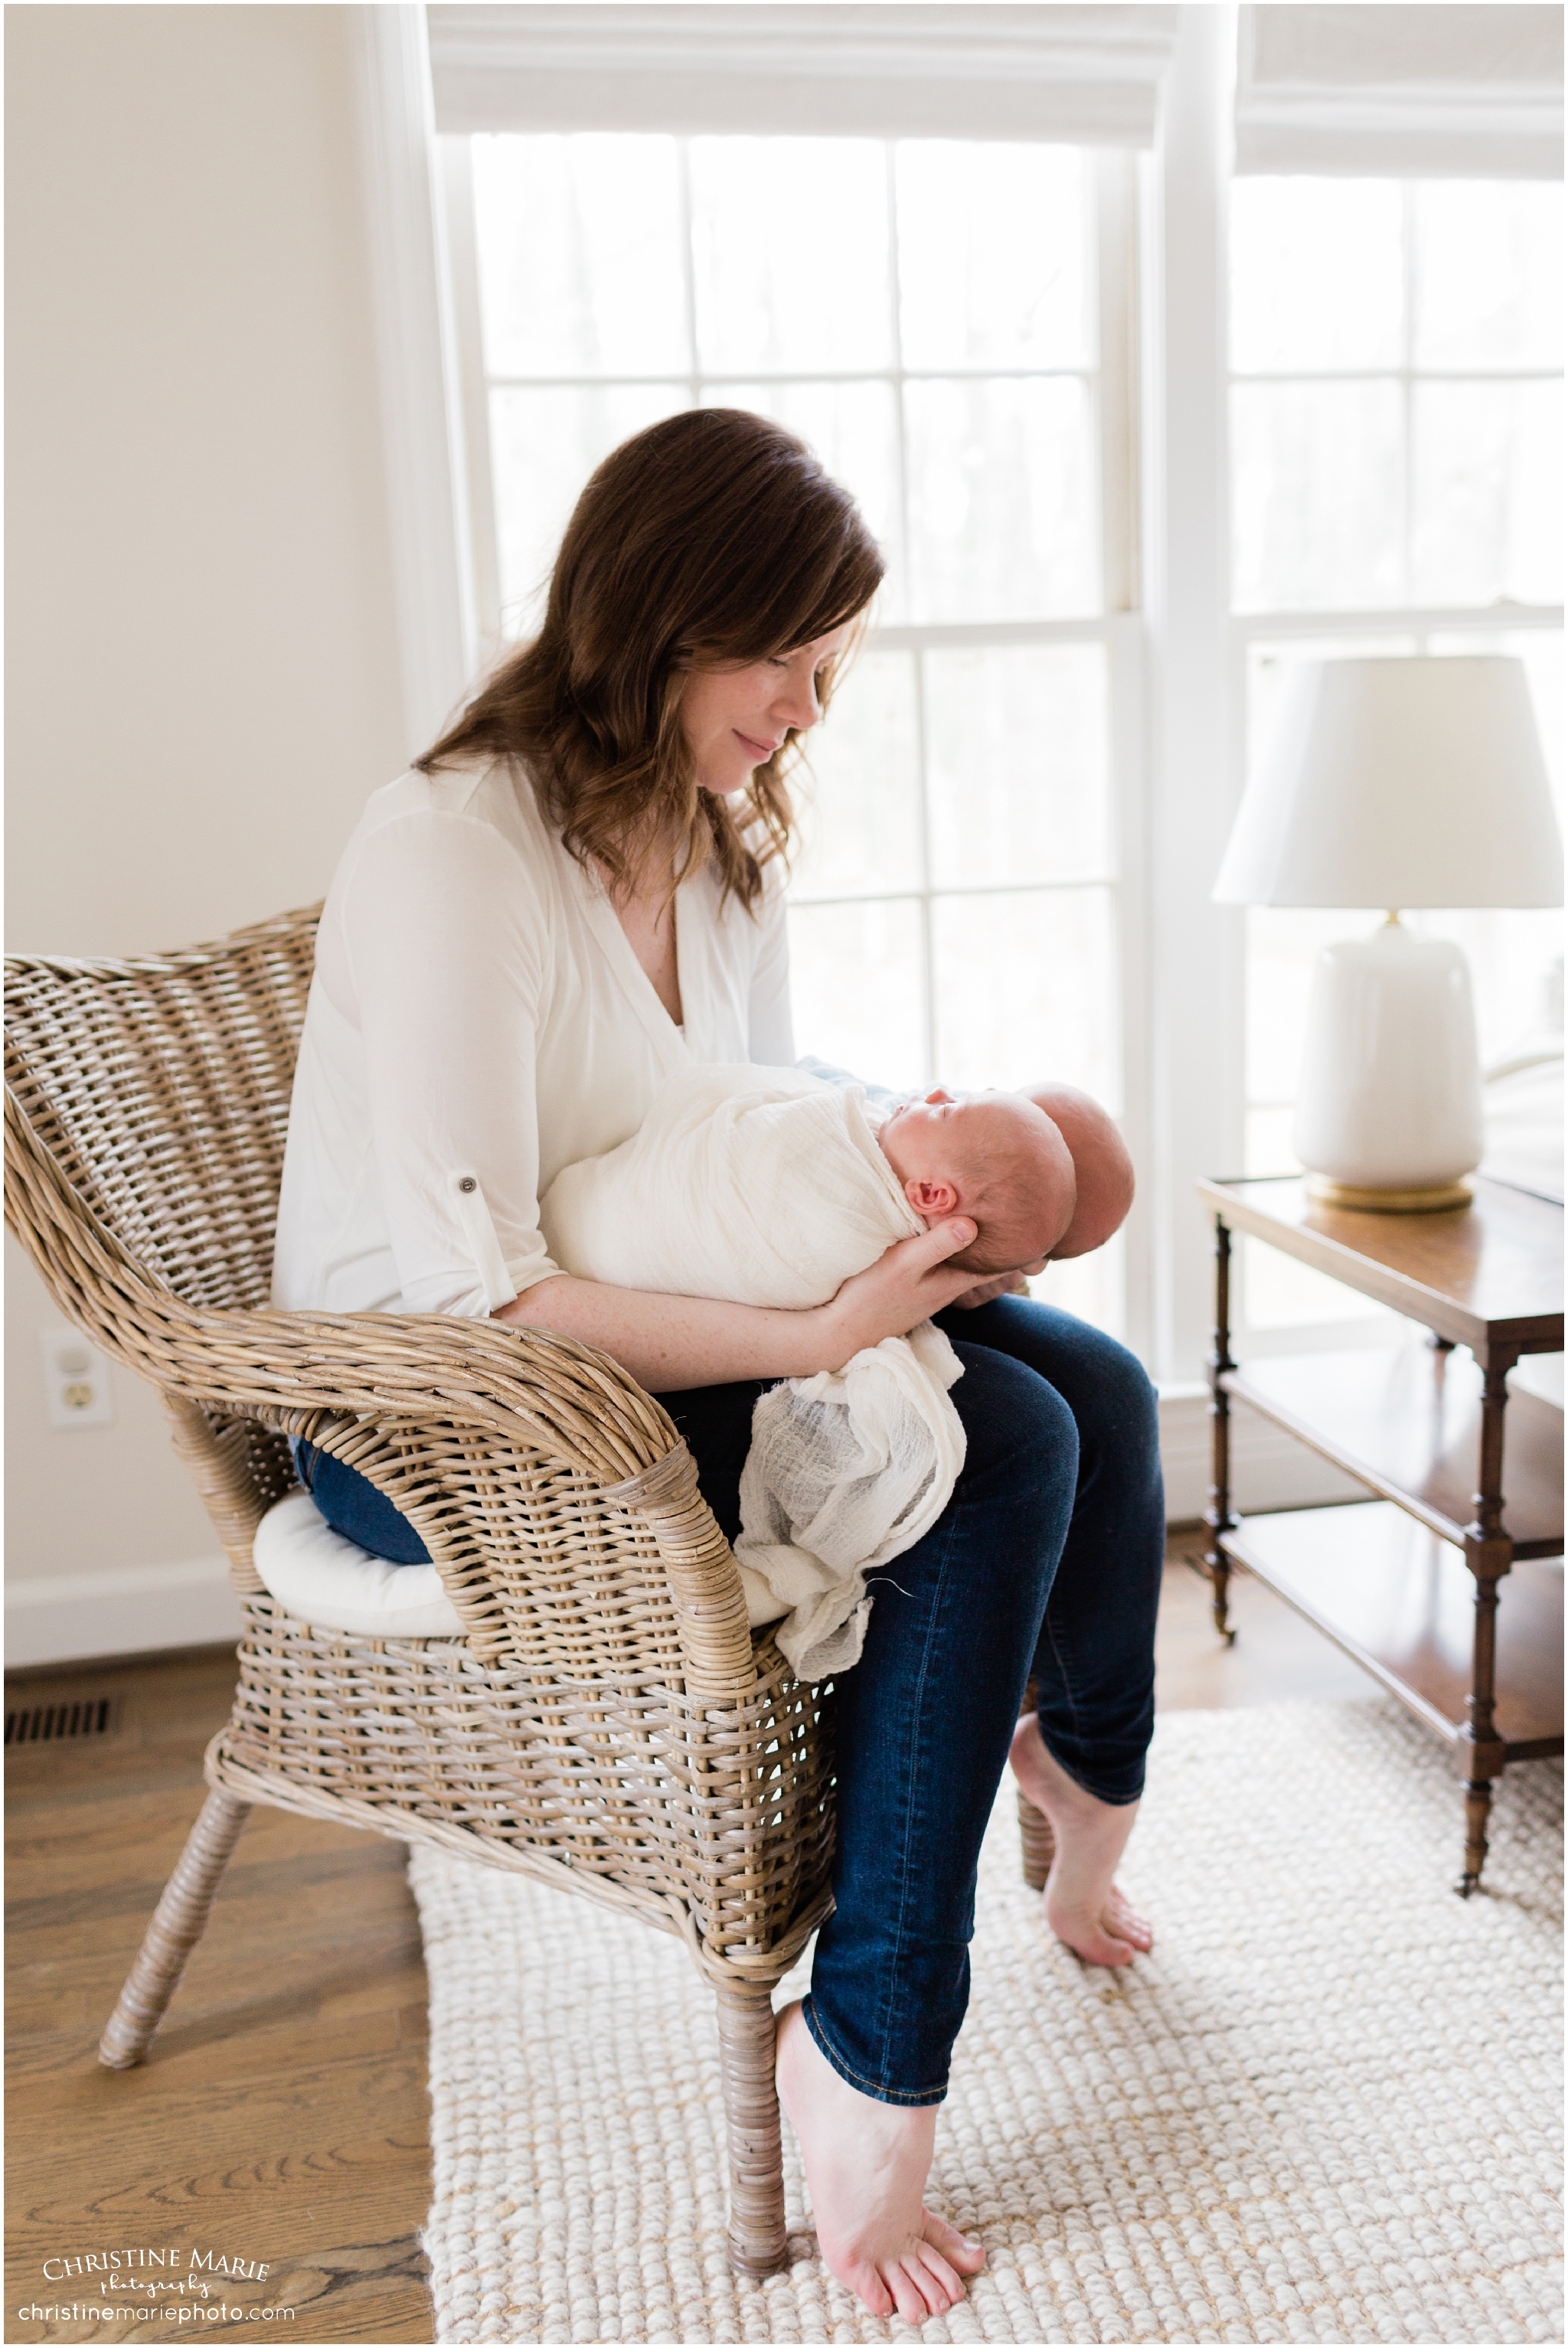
x: 766, y: 1186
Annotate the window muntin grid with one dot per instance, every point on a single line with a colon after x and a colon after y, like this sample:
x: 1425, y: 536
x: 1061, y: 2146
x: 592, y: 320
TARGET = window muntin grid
x: 954, y: 910
x: 1395, y: 412
x: 624, y: 275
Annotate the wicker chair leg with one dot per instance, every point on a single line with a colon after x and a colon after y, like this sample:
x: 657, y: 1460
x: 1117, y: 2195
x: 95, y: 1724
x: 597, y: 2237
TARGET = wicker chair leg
x: 1039, y: 1844
x: 178, y: 1923
x: 746, y: 2039
x: 1033, y: 1826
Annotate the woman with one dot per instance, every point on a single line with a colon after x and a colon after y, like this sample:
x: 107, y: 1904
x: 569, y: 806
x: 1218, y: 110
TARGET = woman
x: 576, y: 890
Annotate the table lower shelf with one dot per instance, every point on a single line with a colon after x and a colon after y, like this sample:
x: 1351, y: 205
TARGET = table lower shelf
x: 1400, y: 1601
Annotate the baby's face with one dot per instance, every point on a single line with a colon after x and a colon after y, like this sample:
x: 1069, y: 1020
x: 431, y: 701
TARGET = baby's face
x: 992, y: 1155
x: 917, y: 1137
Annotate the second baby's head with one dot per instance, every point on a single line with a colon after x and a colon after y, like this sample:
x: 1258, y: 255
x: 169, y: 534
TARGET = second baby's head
x: 994, y: 1157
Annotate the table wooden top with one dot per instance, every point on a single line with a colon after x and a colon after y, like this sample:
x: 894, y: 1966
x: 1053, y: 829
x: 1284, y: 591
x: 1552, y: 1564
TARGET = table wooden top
x: 1487, y: 1274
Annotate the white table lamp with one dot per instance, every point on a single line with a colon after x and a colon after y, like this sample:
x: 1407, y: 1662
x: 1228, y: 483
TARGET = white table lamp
x: 1395, y: 783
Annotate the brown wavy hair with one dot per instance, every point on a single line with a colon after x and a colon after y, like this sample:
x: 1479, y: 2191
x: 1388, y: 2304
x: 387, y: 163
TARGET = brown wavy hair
x: 713, y: 538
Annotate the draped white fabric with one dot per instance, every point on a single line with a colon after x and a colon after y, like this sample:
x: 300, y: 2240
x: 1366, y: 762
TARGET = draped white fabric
x: 1088, y: 76
x: 768, y: 1186
x: 1402, y: 92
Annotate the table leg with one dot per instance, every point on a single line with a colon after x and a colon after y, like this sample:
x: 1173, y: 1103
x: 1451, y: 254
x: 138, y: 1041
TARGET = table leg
x: 1217, y: 1517
x: 1488, y: 1553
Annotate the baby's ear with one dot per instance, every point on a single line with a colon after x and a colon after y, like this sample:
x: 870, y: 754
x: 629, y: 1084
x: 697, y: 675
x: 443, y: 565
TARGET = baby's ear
x: 931, y: 1198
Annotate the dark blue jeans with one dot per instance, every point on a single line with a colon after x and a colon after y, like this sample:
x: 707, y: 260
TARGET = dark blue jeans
x: 1046, y: 1563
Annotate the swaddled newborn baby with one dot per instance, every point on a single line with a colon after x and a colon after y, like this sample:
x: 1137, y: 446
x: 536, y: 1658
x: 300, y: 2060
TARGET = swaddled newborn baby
x: 772, y: 1187
x: 769, y: 1185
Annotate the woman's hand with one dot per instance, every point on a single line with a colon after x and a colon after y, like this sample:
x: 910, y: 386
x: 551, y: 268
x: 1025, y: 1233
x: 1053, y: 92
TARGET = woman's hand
x: 1004, y: 1284
x: 906, y: 1285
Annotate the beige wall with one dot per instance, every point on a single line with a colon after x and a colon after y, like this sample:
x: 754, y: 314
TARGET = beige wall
x: 201, y: 668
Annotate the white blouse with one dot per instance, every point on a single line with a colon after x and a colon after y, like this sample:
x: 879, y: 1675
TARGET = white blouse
x: 476, y: 1021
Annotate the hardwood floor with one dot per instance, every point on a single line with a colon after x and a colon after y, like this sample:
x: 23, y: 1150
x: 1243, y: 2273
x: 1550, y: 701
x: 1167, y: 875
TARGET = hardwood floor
x: 281, y: 2117
x: 1277, y: 1653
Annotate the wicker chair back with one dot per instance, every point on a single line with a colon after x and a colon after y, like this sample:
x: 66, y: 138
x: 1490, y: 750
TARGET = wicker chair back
x: 160, y: 1089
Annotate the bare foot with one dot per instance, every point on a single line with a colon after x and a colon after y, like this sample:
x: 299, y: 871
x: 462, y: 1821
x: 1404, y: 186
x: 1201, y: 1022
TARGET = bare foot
x: 866, y: 2164
x: 1083, y: 1906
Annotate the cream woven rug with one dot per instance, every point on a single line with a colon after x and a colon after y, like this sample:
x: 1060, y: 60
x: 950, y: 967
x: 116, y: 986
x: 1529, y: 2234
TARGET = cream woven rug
x: 1325, y: 2108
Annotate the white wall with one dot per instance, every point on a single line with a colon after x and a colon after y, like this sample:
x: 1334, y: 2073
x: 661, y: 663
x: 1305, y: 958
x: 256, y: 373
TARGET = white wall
x: 200, y: 661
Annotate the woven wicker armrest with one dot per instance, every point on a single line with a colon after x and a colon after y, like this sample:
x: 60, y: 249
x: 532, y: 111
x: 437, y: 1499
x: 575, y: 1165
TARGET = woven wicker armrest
x: 520, y: 1456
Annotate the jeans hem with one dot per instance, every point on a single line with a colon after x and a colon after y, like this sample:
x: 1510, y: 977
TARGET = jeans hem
x: 881, y: 2095
x: 1117, y: 1801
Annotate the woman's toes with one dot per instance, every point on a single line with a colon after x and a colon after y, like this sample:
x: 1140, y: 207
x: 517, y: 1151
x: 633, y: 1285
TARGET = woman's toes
x: 958, y: 2250
x: 915, y: 2294
x: 941, y: 2277
x: 1137, y: 1929
x: 1087, y: 1938
x: 1127, y: 1923
x: 869, y: 2287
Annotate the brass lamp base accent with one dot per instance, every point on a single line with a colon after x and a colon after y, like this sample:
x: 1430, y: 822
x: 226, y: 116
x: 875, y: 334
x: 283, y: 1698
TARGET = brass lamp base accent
x: 1435, y: 1199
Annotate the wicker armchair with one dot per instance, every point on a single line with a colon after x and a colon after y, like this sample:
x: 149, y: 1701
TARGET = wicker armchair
x: 609, y: 1723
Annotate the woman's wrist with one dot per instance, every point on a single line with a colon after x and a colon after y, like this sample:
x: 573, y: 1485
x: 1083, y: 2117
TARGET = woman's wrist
x: 820, y: 1339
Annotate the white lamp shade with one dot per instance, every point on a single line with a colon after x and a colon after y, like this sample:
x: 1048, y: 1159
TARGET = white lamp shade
x: 1398, y: 782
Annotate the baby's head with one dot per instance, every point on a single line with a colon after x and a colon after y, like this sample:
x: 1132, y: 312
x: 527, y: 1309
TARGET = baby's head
x: 994, y: 1157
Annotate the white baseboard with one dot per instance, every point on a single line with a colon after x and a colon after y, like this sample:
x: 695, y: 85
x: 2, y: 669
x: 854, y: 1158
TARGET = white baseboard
x: 72, y: 1617
x: 1269, y: 1469
x: 76, y: 1616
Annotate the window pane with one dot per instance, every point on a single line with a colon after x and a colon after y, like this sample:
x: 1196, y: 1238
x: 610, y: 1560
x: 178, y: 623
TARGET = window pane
x: 993, y: 244
x: 1316, y: 495
x: 1488, y: 492
x: 1515, y: 959
x: 543, y: 445
x: 1092, y: 1287
x: 853, y: 429
x: 1027, y: 987
x: 1488, y: 274
x: 1002, y: 500
x: 793, y: 270
x: 857, y: 982
x: 1316, y: 275
x: 580, y: 256
x: 861, y: 802
x: 1017, y: 764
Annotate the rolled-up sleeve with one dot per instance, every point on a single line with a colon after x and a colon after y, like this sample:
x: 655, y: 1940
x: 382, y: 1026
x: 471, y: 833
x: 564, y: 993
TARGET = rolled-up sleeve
x: 446, y: 950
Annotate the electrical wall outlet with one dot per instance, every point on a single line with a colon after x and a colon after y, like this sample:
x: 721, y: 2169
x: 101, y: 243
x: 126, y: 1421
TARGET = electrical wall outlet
x: 76, y: 1380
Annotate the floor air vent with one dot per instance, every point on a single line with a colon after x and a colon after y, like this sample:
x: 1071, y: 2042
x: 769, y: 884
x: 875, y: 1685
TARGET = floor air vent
x: 51, y: 1724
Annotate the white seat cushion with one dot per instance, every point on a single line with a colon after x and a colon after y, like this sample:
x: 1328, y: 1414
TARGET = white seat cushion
x: 331, y: 1583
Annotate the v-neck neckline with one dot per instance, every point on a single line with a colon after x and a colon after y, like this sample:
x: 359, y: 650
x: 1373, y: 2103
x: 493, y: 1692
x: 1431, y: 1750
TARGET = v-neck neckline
x: 640, y: 990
